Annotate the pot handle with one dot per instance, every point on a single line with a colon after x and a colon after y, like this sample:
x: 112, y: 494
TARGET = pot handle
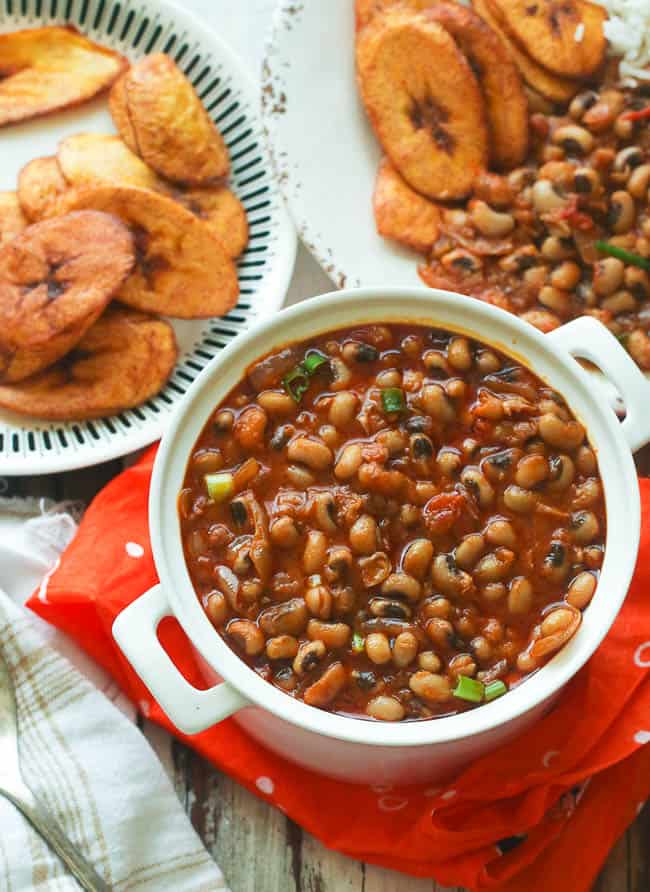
x: 191, y: 710
x: 589, y: 339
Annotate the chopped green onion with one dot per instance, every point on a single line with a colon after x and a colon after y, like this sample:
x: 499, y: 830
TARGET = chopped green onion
x: 219, y: 486
x: 296, y: 383
x: 392, y: 399
x: 313, y: 360
x: 495, y: 689
x: 358, y: 643
x: 469, y: 689
x: 622, y: 254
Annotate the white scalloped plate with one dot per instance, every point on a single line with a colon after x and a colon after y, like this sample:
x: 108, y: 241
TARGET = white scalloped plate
x: 135, y: 28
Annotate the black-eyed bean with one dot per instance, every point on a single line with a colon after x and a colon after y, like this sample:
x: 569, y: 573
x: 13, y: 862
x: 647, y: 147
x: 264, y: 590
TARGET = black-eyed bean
x: 310, y: 451
x: 449, y: 462
x: 449, y: 579
x: 309, y: 655
x: 556, y: 248
x: 409, y: 515
x: 622, y: 301
x: 561, y: 472
x: 622, y: 212
x: 430, y: 686
x: 638, y: 345
x: 217, y: 608
x: 478, y: 485
x: 416, y: 558
x: 456, y: 389
x: 276, y: 402
x: 555, y: 299
x: 423, y: 491
x: 282, y: 647
x: 348, y: 461
x: 206, y: 461
x: 405, y: 648
x: 363, y: 535
x: 581, y: 590
x: 384, y: 708
x: 299, y: 476
x: 324, y: 512
x: 343, y: 409
x: 328, y: 686
x: 436, y: 607
x: 494, y: 592
x: 389, y: 608
x: 500, y: 532
x: 285, y: 678
x: 251, y: 590
x: 333, y: 635
x: 378, y: 648
x: 498, y: 466
x: 494, y: 566
x: 375, y: 568
x: 389, y: 378
x: 429, y: 661
x: 526, y: 662
x: 587, y: 493
x: 338, y: 563
x: 436, y: 364
x: 639, y: 180
x: 224, y: 421
x: 329, y: 435
x: 459, y: 354
x: 318, y: 599
x: 436, y: 403
x: 462, y: 664
x: 560, y: 434
x: 531, y: 471
x: 520, y: 596
x: 287, y: 618
x: 493, y: 631
x: 341, y: 374
x: 584, y: 527
x: 546, y: 198
x: 246, y: 635
x: 593, y: 557
x: 284, y: 532
x: 556, y: 563
x: 576, y: 141
x: 313, y: 557
x: 421, y: 449
x: 395, y: 441
x: 441, y: 632
x: 608, y: 276
x: 558, y: 626
x: 401, y: 585
x: 469, y: 550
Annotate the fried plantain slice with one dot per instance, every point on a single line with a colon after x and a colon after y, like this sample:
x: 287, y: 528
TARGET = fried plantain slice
x: 181, y: 267
x: 564, y: 36
x: 93, y: 158
x: 161, y: 118
x: 401, y: 214
x: 40, y: 185
x: 365, y: 10
x: 423, y: 102
x: 56, y: 278
x: 12, y: 219
x: 43, y: 70
x: 557, y: 89
x: 498, y: 77
x: 122, y: 360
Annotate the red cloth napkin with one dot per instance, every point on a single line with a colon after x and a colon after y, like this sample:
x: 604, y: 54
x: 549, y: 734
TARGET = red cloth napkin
x: 541, y: 812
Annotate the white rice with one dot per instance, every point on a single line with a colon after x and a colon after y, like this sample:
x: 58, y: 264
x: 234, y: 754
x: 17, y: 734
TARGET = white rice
x: 628, y: 31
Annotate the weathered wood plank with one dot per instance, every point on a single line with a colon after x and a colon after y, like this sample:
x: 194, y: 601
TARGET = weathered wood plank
x: 615, y: 876
x: 638, y: 853
x: 380, y: 880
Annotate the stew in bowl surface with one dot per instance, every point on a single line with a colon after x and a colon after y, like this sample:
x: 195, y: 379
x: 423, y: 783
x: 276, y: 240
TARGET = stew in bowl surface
x: 393, y: 521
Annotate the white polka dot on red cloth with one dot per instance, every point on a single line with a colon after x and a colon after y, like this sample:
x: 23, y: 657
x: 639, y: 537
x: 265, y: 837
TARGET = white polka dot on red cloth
x: 448, y: 795
x: 265, y: 785
x: 642, y: 737
x: 642, y: 655
x: 134, y: 549
x: 548, y: 757
x: 392, y: 803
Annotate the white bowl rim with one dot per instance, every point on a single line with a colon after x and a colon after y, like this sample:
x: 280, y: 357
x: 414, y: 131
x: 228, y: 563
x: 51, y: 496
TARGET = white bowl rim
x: 540, y: 687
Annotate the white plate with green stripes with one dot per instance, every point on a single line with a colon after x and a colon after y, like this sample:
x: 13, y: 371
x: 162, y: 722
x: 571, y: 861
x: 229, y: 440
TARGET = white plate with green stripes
x: 136, y: 28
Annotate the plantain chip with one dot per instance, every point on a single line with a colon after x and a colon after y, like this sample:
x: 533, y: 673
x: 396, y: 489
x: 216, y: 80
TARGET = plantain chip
x: 160, y: 117
x: 558, y: 89
x: 365, y: 10
x: 56, y: 278
x: 43, y: 70
x: 181, y: 267
x: 122, y: 360
x: 12, y: 219
x: 40, y: 185
x: 498, y: 77
x: 564, y: 36
x: 94, y: 158
x: 423, y: 102
x: 401, y: 214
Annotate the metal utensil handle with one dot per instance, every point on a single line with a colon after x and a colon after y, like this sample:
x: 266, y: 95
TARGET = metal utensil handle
x: 41, y: 820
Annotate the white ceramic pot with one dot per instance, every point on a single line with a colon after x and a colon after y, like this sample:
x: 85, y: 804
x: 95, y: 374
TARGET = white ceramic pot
x: 356, y: 749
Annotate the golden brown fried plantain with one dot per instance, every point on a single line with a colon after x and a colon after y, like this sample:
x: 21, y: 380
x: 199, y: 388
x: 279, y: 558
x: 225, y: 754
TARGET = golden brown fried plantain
x: 498, y: 77
x: 94, y: 158
x: 564, y: 36
x: 122, y: 360
x: 161, y: 118
x: 56, y: 278
x: 558, y: 89
x: 365, y: 10
x: 181, y: 268
x: 401, y: 214
x: 46, y: 69
x: 12, y: 219
x: 40, y: 185
x: 423, y: 102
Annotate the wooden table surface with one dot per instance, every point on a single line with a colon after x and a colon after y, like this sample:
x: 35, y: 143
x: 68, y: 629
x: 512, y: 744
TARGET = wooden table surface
x: 259, y: 848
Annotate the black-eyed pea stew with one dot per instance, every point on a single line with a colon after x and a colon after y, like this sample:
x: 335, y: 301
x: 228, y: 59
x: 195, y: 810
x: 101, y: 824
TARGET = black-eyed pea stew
x: 393, y: 522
